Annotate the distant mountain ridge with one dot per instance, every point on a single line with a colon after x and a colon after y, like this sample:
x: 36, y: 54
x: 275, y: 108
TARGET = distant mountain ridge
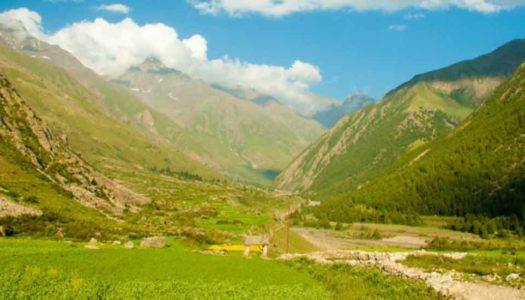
x: 368, y: 141
x: 501, y: 62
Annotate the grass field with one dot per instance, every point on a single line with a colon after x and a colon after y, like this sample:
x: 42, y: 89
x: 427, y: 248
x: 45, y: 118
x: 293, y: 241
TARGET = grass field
x: 361, y: 283
x: 44, y: 269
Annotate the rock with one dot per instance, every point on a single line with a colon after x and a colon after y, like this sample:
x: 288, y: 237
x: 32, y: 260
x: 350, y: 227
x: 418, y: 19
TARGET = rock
x: 2, y: 231
x: 91, y: 247
x: 153, y: 242
x: 93, y: 241
x: 129, y: 245
x: 59, y: 234
x: 512, y: 277
x: 116, y: 242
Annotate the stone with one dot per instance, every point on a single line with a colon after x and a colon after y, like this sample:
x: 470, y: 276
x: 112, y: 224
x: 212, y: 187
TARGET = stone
x: 93, y: 241
x: 91, y: 247
x: 512, y: 277
x: 116, y: 242
x: 129, y: 245
x: 59, y: 234
x: 153, y: 242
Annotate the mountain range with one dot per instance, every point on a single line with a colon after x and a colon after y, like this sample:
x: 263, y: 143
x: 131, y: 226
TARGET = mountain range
x: 200, y: 128
x: 365, y: 143
x: 476, y: 168
x: 447, y: 142
x: 248, y: 135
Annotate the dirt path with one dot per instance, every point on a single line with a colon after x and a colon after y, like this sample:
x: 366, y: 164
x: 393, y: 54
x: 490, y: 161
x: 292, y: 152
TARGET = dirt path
x: 450, y: 283
x: 326, y: 241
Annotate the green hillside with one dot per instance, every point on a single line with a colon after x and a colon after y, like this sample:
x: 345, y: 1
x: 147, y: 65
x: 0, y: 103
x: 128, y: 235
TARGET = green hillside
x: 44, y: 187
x: 42, y: 178
x: 477, y: 168
x: 365, y: 143
x: 94, y: 119
x: 246, y: 140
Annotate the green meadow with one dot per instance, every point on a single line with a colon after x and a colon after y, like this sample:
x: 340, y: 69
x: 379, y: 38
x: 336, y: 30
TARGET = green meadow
x: 47, y: 269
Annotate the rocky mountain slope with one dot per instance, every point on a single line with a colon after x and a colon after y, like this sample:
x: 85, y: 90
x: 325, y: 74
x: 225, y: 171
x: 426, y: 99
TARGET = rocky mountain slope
x: 49, y: 155
x: 246, y: 137
x: 479, y: 167
x: 366, y: 142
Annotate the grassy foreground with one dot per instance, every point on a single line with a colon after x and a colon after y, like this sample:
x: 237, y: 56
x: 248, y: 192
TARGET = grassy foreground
x: 47, y: 269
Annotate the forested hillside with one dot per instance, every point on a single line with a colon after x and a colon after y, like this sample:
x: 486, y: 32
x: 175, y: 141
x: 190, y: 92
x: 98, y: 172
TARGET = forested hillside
x: 477, y: 168
x: 365, y: 143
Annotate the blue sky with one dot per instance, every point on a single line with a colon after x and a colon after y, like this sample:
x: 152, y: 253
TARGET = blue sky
x: 354, y: 51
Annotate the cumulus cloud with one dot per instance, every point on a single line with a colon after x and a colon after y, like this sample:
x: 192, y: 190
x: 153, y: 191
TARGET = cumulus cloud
x: 276, y: 8
x: 23, y: 21
x: 116, y: 8
x: 110, y: 49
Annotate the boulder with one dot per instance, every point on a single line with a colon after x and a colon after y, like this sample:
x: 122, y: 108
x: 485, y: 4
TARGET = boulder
x: 512, y: 277
x: 153, y: 242
x: 93, y: 241
x: 129, y: 245
x: 59, y: 234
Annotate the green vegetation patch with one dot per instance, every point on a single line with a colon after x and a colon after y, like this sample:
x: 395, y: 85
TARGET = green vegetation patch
x: 345, y: 282
x: 479, y: 263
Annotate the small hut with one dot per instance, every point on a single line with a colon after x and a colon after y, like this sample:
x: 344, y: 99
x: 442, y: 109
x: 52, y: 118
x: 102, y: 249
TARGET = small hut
x: 256, y: 240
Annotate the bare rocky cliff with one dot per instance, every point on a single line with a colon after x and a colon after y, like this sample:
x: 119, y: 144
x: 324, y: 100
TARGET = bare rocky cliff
x: 50, y: 156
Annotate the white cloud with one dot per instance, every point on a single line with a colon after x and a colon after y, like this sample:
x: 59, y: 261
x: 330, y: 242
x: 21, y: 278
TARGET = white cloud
x: 112, y: 48
x: 276, y: 8
x: 397, y: 27
x: 23, y: 21
x: 116, y: 8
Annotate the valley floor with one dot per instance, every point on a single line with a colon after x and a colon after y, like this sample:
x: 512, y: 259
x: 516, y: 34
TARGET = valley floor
x: 360, y: 261
x: 477, y: 269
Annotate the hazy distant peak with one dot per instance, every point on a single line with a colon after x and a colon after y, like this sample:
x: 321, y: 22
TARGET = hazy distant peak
x: 358, y: 99
x: 331, y: 114
x: 155, y: 66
